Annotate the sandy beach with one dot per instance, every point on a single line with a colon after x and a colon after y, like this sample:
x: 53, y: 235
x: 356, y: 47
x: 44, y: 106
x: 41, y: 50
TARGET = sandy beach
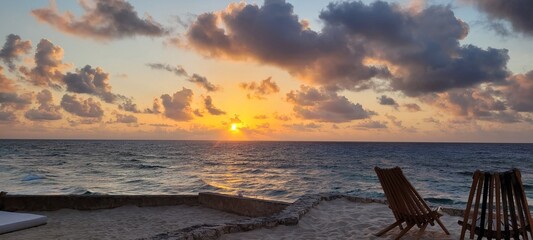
x: 336, y: 219
x: 128, y: 222
x: 343, y: 219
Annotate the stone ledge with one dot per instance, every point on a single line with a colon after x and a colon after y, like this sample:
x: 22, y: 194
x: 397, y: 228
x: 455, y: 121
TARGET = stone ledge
x: 90, y: 202
x: 244, y: 206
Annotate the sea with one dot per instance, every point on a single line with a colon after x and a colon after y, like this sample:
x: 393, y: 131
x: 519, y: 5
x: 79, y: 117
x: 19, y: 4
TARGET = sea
x: 441, y: 172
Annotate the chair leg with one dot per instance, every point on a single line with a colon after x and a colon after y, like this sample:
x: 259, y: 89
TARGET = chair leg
x: 442, y: 226
x: 422, y: 229
x: 388, y: 228
x: 409, y: 226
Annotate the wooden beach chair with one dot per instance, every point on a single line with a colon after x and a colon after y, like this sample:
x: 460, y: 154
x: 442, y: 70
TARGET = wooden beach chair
x: 406, y: 204
x: 504, y: 211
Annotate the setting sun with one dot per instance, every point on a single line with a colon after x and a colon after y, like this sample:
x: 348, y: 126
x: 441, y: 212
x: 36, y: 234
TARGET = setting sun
x: 234, y: 127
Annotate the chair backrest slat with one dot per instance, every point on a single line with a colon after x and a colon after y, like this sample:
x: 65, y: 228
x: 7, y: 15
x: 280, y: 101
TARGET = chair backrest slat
x: 503, y: 203
x: 491, y: 204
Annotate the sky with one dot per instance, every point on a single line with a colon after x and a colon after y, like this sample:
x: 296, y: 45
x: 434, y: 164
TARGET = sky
x: 407, y: 71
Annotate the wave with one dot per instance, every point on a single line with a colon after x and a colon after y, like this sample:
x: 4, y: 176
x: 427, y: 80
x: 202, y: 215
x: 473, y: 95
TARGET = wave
x: 465, y: 173
x: 443, y: 201
x: 142, y: 166
x: 32, y: 177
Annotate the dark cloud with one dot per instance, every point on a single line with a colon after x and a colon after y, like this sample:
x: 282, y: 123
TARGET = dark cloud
x: 517, y: 12
x: 125, y: 118
x: 384, y: 100
x: 7, y: 116
x: 178, y: 106
x: 261, y: 89
x: 156, y: 107
x: 15, y: 101
x: 82, y: 107
x: 13, y: 48
x: 178, y: 70
x: 198, y: 113
x: 93, y: 81
x: 48, y: 65
x: 519, y: 92
x: 372, y: 125
x: 129, y: 106
x: 325, y: 106
x: 208, y: 103
x: 412, y: 107
x: 417, y: 52
x: 424, y: 45
x: 106, y: 20
x: 46, y: 111
x: 273, y: 34
x: 477, y: 104
x: 202, y: 82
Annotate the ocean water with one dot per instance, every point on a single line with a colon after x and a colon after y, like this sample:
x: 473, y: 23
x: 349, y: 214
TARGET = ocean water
x: 441, y: 172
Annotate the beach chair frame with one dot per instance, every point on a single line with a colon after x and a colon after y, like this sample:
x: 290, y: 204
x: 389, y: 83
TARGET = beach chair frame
x: 406, y: 204
x: 500, y: 207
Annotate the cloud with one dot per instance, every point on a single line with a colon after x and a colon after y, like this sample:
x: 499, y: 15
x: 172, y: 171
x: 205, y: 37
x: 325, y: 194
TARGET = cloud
x: 87, y: 108
x: 7, y: 116
x: 399, y: 124
x: 517, y: 12
x: 412, y: 107
x: 13, y: 48
x: 156, y: 107
x: 48, y: 65
x: 125, y: 118
x: 46, y: 111
x: 93, y: 81
x: 384, y: 100
x: 261, y: 117
x: 106, y: 20
x: 178, y: 106
x: 198, y: 113
x: 15, y: 101
x: 281, y: 117
x: 325, y: 106
x: 372, y: 125
x: 208, y: 102
x: 519, y: 92
x: 180, y: 71
x: 177, y: 70
x: 6, y: 84
x: 273, y: 34
x: 421, y: 48
x: 202, y: 82
x: 129, y: 106
x: 261, y: 89
x: 479, y: 104
x: 306, y: 127
x: 417, y: 52
x: 235, y: 119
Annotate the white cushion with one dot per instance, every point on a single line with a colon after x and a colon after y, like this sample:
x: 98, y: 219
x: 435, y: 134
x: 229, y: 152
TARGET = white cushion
x: 10, y: 221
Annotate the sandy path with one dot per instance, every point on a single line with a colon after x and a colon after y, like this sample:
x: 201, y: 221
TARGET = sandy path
x: 343, y: 219
x: 128, y: 222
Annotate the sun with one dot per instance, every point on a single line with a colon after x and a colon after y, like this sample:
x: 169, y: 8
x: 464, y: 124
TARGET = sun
x: 234, y: 127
